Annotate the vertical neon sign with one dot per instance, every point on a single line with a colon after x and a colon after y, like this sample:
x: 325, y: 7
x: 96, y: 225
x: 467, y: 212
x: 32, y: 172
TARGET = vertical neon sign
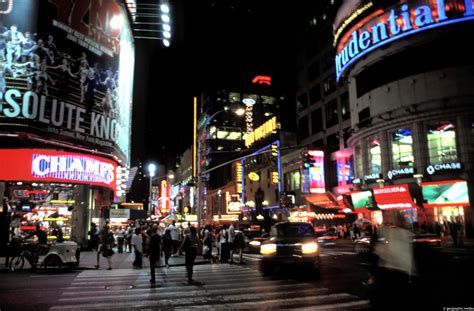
x: 316, y: 172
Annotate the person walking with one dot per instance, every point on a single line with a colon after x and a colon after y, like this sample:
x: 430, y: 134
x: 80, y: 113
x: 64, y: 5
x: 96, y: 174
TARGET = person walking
x: 230, y: 242
x: 120, y: 233
x: 239, y: 244
x: 137, y: 244
x: 154, y: 251
x: 167, y: 246
x: 174, y: 231
x: 106, y: 244
x: 190, y: 245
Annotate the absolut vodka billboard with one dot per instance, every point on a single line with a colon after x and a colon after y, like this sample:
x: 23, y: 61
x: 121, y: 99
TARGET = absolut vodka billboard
x: 67, y: 72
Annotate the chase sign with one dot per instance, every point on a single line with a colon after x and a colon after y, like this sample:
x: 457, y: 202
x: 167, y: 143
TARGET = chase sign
x: 402, y: 20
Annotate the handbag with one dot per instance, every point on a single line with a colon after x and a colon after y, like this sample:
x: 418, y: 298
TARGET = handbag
x: 205, y: 250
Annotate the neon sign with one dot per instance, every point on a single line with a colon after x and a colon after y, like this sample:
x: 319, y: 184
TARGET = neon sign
x: 261, y: 132
x: 56, y: 166
x: 238, y: 174
x: 316, y: 172
x: 400, y: 21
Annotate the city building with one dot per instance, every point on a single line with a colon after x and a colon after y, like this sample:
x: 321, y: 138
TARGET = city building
x: 412, y: 120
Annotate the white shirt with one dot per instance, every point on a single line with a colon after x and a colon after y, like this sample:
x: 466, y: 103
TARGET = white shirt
x: 174, y: 232
x: 138, y: 242
x: 231, y: 231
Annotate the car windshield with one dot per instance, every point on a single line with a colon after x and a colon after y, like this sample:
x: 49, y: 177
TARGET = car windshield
x: 292, y: 230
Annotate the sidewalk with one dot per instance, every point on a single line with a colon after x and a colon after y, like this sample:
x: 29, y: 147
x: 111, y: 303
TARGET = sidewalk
x: 88, y: 260
x: 467, y: 246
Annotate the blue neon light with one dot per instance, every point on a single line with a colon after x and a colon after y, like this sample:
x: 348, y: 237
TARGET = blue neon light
x: 365, y: 45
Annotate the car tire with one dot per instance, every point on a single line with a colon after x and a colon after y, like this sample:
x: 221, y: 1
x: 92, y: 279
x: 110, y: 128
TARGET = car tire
x: 52, y: 261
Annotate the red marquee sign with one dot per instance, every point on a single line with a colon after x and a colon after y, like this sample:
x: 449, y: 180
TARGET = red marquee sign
x: 41, y: 165
x: 394, y: 197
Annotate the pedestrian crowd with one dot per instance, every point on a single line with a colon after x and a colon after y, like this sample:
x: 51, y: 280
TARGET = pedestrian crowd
x: 156, y: 241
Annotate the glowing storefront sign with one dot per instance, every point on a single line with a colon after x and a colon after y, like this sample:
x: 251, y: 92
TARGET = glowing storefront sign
x: 261, y: 132
x: 253, y: 176
x: 390, y: 197
x: 316, y: 172
x: 399, y: 21
x: 445, y: 193
x: 55, y: 166
x: 262, y: 80
x: 238, y: 179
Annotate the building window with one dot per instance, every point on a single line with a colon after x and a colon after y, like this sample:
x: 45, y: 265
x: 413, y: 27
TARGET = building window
x: 293, y: 181
x: 302, y: 102
x: 329, y: 85
x: 313, y: 71
x: 315, y: 94
x: 331, y: 113
x: 402, y: 148
x: 303, y: 127
x: 316, y: 121
x: 442, y: 142
x: 375, y: 155
x: 345, y: 107
x: 333, y: 143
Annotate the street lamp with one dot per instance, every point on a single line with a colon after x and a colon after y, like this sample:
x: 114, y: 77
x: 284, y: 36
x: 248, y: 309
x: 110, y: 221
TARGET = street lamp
x: 198, y: 162
x: 151, y: 172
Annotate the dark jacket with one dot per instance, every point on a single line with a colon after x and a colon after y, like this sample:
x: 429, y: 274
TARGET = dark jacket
x: 154, y: 250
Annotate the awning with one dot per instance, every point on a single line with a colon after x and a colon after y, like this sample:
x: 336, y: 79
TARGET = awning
x: 394, y: 197
x: 323, y: 200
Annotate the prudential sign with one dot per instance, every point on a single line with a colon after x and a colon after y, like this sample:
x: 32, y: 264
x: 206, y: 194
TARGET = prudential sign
x: 402, y: 20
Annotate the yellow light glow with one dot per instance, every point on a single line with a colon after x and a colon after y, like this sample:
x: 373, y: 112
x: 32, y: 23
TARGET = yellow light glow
x: 309, y: 248
x: 267, y: 249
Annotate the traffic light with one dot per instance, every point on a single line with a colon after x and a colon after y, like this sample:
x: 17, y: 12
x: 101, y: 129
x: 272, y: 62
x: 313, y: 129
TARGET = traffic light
x: 308, y: 160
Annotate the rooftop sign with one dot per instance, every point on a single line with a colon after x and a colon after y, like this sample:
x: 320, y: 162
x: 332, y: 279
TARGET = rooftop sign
x: 401, y: 20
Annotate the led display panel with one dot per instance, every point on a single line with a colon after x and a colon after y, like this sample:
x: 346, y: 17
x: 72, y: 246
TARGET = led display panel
x: 445, y: 193
x: 362, y: 199
x: 40, y: 165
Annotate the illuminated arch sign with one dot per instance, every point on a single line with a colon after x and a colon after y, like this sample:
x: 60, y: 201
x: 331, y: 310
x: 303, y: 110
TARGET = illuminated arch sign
x: 398, y: 22
x: 55, y: 166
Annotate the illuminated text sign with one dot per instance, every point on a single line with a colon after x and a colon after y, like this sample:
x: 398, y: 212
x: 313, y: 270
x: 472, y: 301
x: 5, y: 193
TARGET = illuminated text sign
x: 400, y: 21
x: 56, y: 166
x: 238, y: 174
x: 390, y: 197
x: 261, y: 132
x: 316, y: 172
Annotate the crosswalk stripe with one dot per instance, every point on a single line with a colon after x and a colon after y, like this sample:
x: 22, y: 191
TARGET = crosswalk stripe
x: 224, y: 287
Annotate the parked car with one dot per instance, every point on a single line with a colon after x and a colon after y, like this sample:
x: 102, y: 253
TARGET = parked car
x: 291, y: 245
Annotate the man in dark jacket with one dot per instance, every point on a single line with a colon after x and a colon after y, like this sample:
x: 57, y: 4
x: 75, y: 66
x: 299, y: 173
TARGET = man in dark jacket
x: 154, y: 251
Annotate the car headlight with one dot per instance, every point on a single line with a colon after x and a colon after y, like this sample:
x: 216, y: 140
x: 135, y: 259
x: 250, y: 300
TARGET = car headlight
x: 255, y: 243
x: 309, y: 248
x: 267, y: 249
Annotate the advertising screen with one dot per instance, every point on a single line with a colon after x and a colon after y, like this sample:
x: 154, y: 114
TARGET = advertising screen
x: 390, y: 197
x: 446, y: 193
x: 316, y: 172
x: 363, y: 199
x: 67, y: 72
x: 55, y: 166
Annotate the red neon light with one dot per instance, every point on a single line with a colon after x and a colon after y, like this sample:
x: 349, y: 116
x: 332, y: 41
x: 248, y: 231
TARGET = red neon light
x: 262, y: 80
x: 17, y: 165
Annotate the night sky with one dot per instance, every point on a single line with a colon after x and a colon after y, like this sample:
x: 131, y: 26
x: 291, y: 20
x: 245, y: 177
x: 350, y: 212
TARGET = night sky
x: 215, y: 44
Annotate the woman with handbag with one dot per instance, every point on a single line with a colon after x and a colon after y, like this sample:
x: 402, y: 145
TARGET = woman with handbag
x: 106, y: 244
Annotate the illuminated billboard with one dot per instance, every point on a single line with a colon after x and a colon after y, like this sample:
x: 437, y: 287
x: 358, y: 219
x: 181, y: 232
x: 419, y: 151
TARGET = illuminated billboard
x: 316, y: 172
x: 67, y: 73
x: 445, y: 193
x: 40, y: 165
x: 362, y: 199
x: 394, y: 197
x: 381, y: 27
